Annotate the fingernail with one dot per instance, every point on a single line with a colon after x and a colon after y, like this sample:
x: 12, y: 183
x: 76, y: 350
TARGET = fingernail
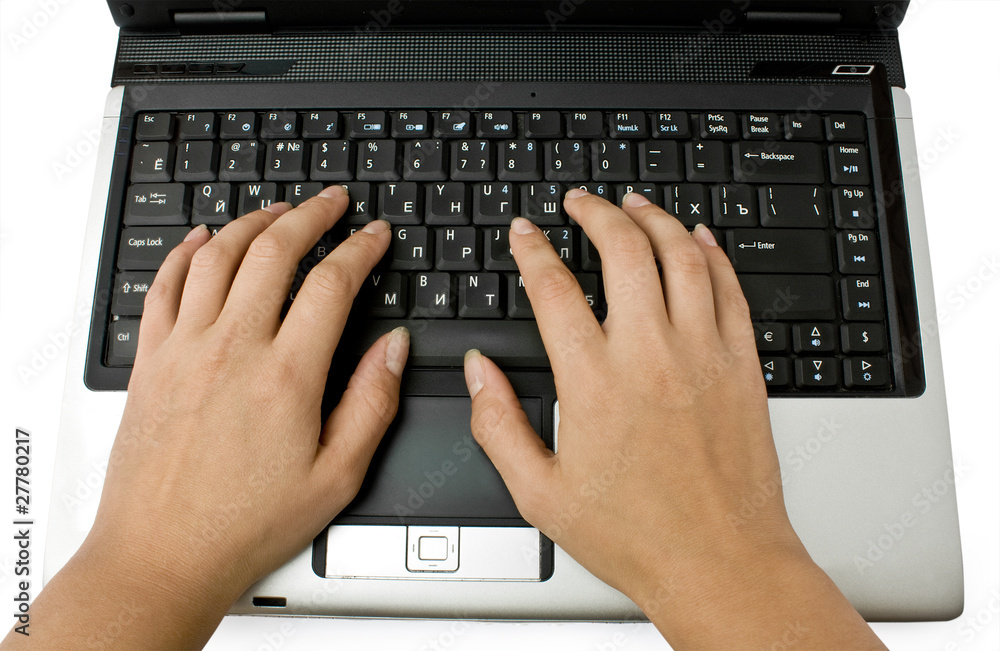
x: 522, y: 226
x: 635, y: 200
x: 377, y: 226
x: 397, y: 350
x: 333, y: 191
x: 576, y: 193
x: 705, y: 235
x: 475, y: 375
x: 278, y: 207
x: 195, y: 232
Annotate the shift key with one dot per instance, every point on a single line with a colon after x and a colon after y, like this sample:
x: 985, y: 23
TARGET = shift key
x: 779, y: 250
x: 143, y: 248
x: 778, y: 162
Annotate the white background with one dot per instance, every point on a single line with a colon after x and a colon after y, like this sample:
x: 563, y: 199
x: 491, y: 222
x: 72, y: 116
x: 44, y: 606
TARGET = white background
x: 56, y: 66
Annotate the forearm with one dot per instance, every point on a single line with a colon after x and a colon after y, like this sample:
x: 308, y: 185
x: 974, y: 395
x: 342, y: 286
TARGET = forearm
x: 111, y: 598
x: 756, y: 604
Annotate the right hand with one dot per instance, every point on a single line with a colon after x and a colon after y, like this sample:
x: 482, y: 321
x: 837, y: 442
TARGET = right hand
x: 663, y: 420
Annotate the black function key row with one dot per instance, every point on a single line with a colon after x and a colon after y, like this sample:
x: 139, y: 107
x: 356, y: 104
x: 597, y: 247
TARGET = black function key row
x: 635, y: 124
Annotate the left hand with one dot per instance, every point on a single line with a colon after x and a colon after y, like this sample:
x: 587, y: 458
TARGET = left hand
x: 223, y: 468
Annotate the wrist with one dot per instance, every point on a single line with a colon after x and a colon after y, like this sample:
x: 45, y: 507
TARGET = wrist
x: 687, y: 598
x: 158, y: 578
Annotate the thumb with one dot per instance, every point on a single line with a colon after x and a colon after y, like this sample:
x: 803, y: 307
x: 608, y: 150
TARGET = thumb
x: 502, y: 429
x: 366, y: 409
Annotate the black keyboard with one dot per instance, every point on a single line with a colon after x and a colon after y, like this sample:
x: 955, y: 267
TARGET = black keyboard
x: 789, y: 196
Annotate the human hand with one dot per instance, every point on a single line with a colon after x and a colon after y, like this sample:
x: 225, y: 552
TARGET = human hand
x: 223, y: 468
x: 663, y: 427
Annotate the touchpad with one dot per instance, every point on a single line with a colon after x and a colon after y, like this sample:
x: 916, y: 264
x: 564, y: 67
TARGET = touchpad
x: 429, y: 466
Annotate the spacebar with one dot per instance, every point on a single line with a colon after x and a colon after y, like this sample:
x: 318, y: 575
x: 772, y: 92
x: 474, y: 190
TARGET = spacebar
x: 443, y: 343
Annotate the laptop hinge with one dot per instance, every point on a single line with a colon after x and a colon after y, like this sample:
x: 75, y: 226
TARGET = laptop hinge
x: 220, y: 21
x: 788, y: 22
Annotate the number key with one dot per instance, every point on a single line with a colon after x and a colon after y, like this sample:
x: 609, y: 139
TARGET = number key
x: 286, y: 161
x: 377, y: 160
x: 241, y: 161
x: 520, y: 161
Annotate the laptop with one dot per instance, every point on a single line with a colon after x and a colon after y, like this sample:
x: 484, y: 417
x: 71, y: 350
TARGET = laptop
x: 784, y: 126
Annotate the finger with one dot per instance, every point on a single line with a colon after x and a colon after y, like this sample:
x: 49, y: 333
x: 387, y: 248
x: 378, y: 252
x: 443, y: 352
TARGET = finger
x: 163, y: 298
x: 686, y: 281
x: 316, y: 319
x: 353, y: 431
x: 214, y: 266
x: 570, y: 332
x: 266, y: 274
x: 631, y: 282
x: 501, y: 428
x: 732, y: 313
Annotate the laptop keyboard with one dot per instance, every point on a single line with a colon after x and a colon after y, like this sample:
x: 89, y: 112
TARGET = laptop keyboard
x: 788, y: 196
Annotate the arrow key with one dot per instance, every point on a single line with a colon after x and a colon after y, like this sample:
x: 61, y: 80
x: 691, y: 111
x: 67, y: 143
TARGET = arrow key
x: 866, y: 372
x: 816, y: 372
x: 814, y: 337
x: 776, y: 371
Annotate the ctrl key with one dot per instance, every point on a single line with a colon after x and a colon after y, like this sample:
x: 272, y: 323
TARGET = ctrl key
x: 123, y: 340
x: 143, y: 248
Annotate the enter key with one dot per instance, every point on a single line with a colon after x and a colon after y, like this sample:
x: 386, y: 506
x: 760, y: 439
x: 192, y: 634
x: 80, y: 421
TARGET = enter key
x: 787, y: 250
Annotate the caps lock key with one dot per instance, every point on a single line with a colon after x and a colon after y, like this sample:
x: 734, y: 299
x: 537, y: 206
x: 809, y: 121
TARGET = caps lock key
x: 143, y: 248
